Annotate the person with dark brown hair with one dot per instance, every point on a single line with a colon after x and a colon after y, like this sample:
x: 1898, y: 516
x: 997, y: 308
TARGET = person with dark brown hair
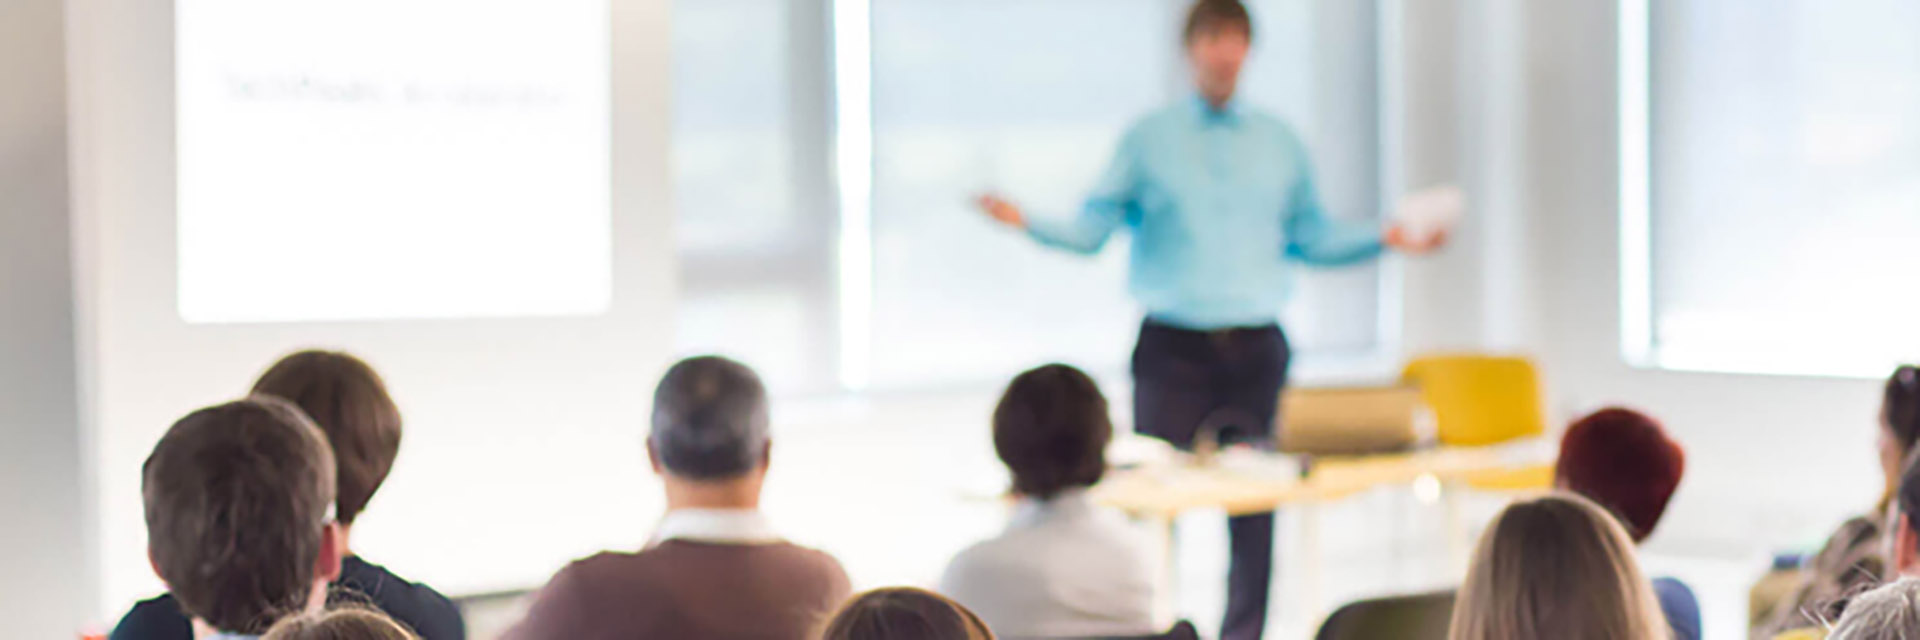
x: 1220, y: 205
x: 1624, y: 461
x: 341, y: 623
x: 1064, y: 568
x: 238, y: 500
x: 903, y: 613
x: 716, y: 569
x: 1855, y: 556
x: 348, y: 400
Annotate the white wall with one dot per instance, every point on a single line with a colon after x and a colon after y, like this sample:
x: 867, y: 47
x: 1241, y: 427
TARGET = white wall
x: 1517, y: 101
x: 1772, y: 460
x: 47, y: 586
x: 546, y: 466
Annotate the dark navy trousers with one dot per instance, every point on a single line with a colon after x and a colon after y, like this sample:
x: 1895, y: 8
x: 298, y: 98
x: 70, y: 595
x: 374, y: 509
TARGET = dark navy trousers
x: 1225, y: 382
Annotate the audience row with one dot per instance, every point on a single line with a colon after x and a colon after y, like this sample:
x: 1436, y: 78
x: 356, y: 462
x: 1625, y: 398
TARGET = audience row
x: 250, y: 507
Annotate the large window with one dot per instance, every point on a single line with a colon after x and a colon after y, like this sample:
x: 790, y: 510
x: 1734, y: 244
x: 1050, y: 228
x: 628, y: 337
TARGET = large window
x: 878, y: 273
x: 1772, y: 172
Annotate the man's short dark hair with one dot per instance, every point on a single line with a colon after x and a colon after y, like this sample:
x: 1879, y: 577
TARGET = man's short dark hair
x: 1051, y: 429
x: 1207, y: 16
x: 349, y: 402
x: 709, y: 419
x: 236, y: 501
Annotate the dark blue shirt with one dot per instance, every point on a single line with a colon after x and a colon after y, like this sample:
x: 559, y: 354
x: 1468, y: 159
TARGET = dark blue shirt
x: 430, y: 614
x: 1683, y: 611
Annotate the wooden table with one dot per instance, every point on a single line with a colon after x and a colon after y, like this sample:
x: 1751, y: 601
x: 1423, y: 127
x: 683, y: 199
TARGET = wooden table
x: 1160, y: 491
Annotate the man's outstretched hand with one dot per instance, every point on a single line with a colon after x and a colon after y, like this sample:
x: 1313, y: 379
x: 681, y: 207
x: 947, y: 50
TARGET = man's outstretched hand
x: 1399, y: 239
x: 1006, y: 212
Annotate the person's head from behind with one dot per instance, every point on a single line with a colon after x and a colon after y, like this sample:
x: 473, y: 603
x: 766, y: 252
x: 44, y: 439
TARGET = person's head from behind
x: 1899, y: 423
x: 1051, y: 429
x: 904, y: 614
x: 345, y: 623
x: 1903, y: 539
x: 349, y: 402
x: 1623, y: 461
x: 237, y: 503
x: 1218, y: 36
x: 1557, y: 566
x: 710, y: 437
x: 1890, y: 612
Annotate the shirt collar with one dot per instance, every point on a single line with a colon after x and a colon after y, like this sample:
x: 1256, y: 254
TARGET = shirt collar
x: 1227, y: 114
x: 1071, y: 503
x: 716, y: 526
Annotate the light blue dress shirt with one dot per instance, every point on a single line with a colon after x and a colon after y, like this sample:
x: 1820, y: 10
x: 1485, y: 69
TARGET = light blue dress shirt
x: 1219, y: 202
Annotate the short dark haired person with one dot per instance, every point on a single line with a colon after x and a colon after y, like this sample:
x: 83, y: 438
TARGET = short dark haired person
x: 1063, y: 568
x: 1219, y: 200
x: 715, y: 569
x: 238, y: 500
x: 348, y: 400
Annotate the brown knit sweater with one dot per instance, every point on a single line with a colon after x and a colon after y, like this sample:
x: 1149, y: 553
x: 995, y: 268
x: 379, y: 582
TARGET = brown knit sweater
x: 682, y: 589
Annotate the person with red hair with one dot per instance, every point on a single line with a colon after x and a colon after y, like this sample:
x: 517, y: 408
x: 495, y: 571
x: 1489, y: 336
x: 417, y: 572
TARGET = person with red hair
x: 1623, y: 460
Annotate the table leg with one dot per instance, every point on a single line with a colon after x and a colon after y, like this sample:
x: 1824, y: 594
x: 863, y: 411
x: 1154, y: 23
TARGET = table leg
x: 1457, y: 545
x: 1313, y: 601
x: 1166, y: 602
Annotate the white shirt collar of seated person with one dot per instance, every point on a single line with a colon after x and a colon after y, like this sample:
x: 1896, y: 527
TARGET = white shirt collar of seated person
x: 1069, y: 504
x: 716, y: 526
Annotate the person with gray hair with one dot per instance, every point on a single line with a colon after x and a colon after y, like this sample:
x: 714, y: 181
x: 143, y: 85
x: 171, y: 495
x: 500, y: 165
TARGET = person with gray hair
x: 1891, y: 612
x: 715, y: 568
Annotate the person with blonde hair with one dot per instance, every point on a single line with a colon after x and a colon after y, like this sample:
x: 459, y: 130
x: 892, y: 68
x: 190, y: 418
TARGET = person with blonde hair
x: 1557, y: 566
x: 1891, y: 612
x: 344, y: 623
x: 904, y: 613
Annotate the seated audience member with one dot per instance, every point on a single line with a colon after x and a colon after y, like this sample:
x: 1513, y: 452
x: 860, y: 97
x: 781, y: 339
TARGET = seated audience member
x: 1557, y: 567
x: 1903, y: 523
x: 1891, y: 612
x: 1064, y: 568
x: 349, y: 402
x: 716, y: 569
x: 1854, y: 557
x: 345, y: 623
x: 905, y: 614
x: 237, y: 503
x: 1623, y: 461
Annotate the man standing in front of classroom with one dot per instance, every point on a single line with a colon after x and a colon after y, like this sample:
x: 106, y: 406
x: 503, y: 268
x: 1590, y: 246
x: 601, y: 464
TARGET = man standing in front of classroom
x: 1220, y: 202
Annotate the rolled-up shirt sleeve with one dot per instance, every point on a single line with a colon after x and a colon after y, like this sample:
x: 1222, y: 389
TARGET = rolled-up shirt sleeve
x: 1107, y: 208
x: 1315, y: 238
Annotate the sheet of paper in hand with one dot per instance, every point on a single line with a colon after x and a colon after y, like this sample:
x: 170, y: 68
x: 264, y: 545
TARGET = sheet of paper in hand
x: 1430, y: 211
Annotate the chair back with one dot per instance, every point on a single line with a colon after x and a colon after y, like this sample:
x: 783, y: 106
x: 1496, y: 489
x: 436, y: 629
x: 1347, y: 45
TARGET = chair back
x: 1479, y: 399
x: 1415, y: 617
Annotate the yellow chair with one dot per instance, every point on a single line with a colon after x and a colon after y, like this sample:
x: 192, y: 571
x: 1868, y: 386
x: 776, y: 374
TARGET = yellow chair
x: 1480, y: 400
